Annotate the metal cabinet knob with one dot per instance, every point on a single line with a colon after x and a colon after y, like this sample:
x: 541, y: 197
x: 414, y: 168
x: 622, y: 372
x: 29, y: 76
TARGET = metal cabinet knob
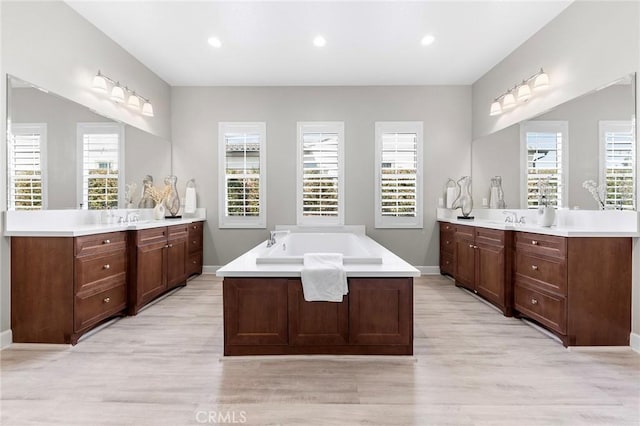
x: 170, y: 245
x: 534, y: 301
x: 106, y: 300
x: 475, y: 247
x: 107, y: 266
x: 194, y: 262
x: 534, y: 267
x: 106, y: 241
x: 195, y: 242
x: 534, y: 242
x: 470, y: 245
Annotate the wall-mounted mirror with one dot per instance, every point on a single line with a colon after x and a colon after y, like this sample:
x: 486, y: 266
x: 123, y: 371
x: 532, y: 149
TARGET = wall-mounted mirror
x: 62, y: 155
x: 591, y: 137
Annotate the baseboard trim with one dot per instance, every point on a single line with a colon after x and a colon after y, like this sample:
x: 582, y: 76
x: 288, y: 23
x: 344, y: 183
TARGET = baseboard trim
x: 428, y: 270
x: 6, y: 338
x: 210, y: 269
x: 634, y: 342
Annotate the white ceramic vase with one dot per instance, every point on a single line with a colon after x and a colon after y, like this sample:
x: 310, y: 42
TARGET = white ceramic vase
x: 158, y: 211
x: 546, y: 216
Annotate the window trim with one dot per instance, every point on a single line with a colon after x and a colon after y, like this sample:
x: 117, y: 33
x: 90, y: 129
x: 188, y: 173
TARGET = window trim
x: 98, y: 128
x: 603, y: 126
x: 241, y: 222
x: 382, y: 127
x: 319, y: 127
x: 559, y: 126
x: 41, y: 129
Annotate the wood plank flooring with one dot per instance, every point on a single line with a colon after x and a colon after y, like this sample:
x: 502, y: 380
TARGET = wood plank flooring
x: 471, y: 366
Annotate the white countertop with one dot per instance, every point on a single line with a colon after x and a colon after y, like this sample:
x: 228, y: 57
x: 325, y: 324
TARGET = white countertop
x: 73, y: 223
x: 578, y: 224
x: 391, y: 266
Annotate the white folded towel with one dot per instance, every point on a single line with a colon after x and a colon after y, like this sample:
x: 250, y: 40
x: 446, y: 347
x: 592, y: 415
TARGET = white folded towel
x: 190, y: 200
x: 323, y: 277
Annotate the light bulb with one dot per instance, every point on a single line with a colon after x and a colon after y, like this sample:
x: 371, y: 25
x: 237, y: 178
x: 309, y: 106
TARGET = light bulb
x: 319, y: 41
x: 524, y: 92
x: 133, y: 102
x: 215, y: 42
x: 427, y: 40
x: 496, y: 109
x: 99, y: 83
x: 509, y: 101
x: 542, y: 81
x: 147, y: 109
x: 117, y: 93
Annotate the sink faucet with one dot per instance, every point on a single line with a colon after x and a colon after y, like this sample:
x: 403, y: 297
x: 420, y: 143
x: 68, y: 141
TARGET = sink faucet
x: 512, y: 217
x: 133, y: 216
x: 272, y: 238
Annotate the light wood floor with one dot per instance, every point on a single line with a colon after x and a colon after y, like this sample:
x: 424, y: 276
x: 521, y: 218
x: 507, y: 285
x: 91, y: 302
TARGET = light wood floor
x: 472, y: 366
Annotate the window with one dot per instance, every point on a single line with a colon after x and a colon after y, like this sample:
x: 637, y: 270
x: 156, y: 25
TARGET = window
x: 544, y: 156
x: 101, y: 152
x: 617, y: 163
x: 242, y: 182
x: 320, y: 174
x: 27, y: 166
x: 398, y: 174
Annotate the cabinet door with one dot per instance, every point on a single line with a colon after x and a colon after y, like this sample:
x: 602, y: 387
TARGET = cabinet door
x: 316, y: 323
x: 255, y: 311
x: 150, y: 271
x: 381, y: 311
x: 465, y: 261
x: 490, y: 273
x: 177, y: 255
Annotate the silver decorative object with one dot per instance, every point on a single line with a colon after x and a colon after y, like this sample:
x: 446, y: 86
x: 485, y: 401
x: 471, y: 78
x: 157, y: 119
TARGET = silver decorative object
x: 172, y: 202
x: 464, y: 201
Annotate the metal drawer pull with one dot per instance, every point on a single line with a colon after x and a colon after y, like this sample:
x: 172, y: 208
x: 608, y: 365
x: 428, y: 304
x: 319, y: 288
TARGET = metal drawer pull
x: 534, y: 301
x: 475, y: 247
x: 107, y: 266
x: 194, y: 262
x: 166, y: 246
x: 170, y: 245
x: 534, y: 242
x: 534, y: 267
x: 106, y: 300
x: 194, y: 242
x: 470, y: 245
x: 106, y: 241
x: 448, y: 242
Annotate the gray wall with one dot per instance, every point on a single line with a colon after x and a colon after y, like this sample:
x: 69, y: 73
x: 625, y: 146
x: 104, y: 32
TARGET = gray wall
x: 50, y: 45
x: 445, y: 111
x: 588, y: 45
x: 499, y: 153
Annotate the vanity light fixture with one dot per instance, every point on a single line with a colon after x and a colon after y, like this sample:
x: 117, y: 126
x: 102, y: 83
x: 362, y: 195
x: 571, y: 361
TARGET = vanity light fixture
x: 215, y: 42
x: 520, y: 93
x: 427, y: 40
x: 319, y: 41
x: 119, y: 93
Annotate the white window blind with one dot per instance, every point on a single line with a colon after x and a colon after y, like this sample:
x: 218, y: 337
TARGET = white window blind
x: 320, y: 171
x: 544, y: 158
x: 100, y: 148
x: 26, y: 164
x: 617, y: 163
x: 398, y: 171
x: 242, y: 157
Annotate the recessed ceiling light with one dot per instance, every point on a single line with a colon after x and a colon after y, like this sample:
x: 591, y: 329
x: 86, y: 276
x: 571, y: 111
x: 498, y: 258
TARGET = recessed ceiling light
x: 427, y: 40
x: 319, y: 41
x: 215, y: 42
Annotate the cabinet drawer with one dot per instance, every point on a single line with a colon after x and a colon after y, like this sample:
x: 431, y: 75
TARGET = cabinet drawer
x: 546, y: 245
x: 550, y: 274
x: 446, y: 263
x: 93, y: 308
x: 447, y: 227
x: 101, y: 270
x: 100, y: 243
x: 194, y: 264
x: 178, y: 231
x: 447, y: 242
x: 151, y: 236
x: 546, y: 309
x: 489, y: 236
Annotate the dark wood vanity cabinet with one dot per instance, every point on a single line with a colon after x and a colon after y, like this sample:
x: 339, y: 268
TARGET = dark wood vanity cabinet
x: 63, y: 287
x: 158, y: 261
x: 579, y: 288
x: 264, y: 316
x: 483, y: 264
x: 195, y: 248
x: 447, y: 248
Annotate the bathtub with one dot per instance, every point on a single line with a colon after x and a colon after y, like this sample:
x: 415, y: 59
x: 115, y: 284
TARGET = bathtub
x: 290, y: 248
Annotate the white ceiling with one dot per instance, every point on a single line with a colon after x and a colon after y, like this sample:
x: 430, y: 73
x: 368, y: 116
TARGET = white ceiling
x: 270, y: 43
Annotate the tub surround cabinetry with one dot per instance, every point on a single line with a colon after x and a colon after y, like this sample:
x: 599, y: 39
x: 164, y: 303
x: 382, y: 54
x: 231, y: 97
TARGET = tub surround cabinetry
x: 269, y: 316
x: 62, y: 287
x: 578, y: 287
